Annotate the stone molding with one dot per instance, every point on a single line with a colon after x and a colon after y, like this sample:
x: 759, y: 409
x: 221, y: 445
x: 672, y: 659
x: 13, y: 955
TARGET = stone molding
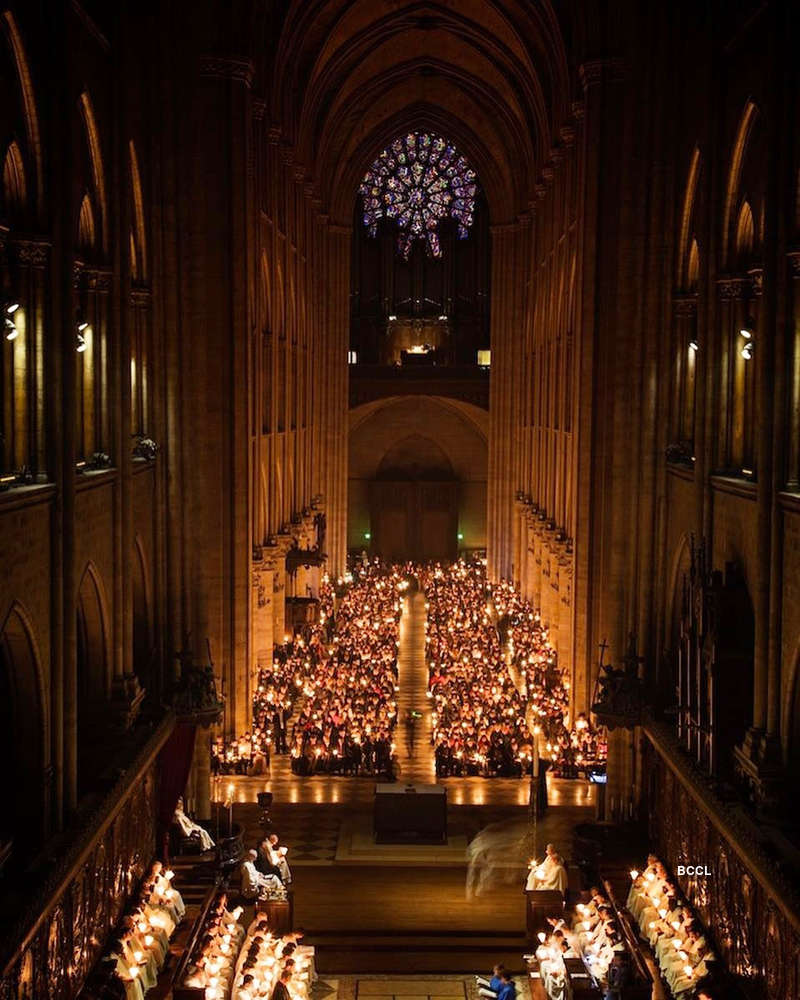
x: 31, y: 251
x: 733, y: 287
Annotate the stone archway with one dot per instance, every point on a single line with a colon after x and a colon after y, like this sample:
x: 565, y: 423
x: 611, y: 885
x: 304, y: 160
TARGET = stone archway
x: 414, y: 503
x: 23, y: 729
x: 93, y: 675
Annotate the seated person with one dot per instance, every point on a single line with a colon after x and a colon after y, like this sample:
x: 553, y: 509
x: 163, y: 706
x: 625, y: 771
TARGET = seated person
x: 281, y: 990
x: 550, y: 874
x: 253, y: 882
x: 507, y: 991
x: 189, y: 828
x: 279, y: 858
x: 246, y: 989
x: 490, y: 987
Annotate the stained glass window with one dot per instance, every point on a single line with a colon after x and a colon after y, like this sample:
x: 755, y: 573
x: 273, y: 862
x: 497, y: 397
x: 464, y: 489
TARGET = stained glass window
x: 417, y: 181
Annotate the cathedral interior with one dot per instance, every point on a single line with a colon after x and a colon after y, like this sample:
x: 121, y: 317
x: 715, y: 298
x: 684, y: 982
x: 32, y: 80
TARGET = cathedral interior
x: 400, y: 459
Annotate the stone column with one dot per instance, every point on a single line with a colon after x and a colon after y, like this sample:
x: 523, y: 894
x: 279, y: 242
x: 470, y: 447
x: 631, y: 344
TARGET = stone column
x: 200, y: 777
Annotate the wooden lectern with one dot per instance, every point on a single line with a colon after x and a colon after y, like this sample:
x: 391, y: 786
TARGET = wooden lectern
x: 541, y: 904
x: 279, y: 912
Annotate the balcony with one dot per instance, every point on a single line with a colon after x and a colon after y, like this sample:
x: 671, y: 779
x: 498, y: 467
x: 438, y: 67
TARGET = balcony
x: 469, y: 383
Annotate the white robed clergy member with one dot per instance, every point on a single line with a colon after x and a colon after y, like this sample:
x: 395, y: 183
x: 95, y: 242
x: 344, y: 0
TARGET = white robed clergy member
x: 252, y: 879
x: 189, y: 828
x: 277, y: 857
x: 550, y: 874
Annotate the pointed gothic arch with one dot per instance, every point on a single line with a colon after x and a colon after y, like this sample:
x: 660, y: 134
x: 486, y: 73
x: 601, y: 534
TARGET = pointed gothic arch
x: 96, y: 160
x: 28, y: 102
x: 23, y: 734
x: 15, y: 188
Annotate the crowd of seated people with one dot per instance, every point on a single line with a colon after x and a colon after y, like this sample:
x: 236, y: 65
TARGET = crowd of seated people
x: 576, y: 751
x: 141, y: 948
x: 667, y: 921
x: 212, y: 964
x: 347, y: 722
x: 601, y: 942
x: 278, y: 688
x: 479, y: 724
x: 595, y: 938
x: 273, y: 968
x: 344, y: 667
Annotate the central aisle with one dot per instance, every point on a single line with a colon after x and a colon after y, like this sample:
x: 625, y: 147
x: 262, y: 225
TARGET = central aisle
x: 414, y: 750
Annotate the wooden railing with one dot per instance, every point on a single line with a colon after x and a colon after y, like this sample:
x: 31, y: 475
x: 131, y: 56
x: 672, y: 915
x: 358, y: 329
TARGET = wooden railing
x: 62, y: 932
x: 747, y: 902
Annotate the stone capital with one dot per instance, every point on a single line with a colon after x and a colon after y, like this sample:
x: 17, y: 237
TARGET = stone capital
x: 733, y: 287
x: 31, y: 251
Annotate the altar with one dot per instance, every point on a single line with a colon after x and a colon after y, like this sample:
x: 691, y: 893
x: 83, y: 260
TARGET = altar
x: 407, y: 814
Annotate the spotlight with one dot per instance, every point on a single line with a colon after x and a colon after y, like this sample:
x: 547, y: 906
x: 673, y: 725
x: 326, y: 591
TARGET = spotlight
x: 11, y: 331
x: 747, y: 350
x: 392, y: 318
x: 746, y: 330
x: 81, y: 345
x: 82, y: 326
x: 11, y: 307
x: 694, y: 346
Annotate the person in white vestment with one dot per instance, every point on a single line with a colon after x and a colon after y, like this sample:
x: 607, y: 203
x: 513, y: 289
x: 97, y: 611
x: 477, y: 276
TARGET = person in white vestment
x: 277, y: 858
x: 253, y: 881
x: 189, y: 828
x: 550, y: 874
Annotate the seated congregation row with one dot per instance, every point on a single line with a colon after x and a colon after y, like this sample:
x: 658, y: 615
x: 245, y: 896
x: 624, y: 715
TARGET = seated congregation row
x: 228, y: 963
x: 668, y: 922
x: 595, y: 935
x: 139, y: 949
x: 329, y: 698
x: 496, y: 687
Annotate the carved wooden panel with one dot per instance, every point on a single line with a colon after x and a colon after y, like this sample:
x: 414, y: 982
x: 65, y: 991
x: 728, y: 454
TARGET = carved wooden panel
x: 751, y: 933
x: 71, y: 938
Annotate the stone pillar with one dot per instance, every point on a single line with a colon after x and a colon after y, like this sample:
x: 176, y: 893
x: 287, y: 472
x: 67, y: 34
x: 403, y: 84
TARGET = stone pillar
x: 200, y: 777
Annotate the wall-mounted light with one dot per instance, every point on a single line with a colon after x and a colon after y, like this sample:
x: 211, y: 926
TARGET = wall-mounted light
x: 484, y: 359
x: 392, y: 318
x: 367, y: 536
x: 352, y: 357
x: 747, y: 332
x: 443, y: 318
x: 694, y: 347
x: 461, y: 536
